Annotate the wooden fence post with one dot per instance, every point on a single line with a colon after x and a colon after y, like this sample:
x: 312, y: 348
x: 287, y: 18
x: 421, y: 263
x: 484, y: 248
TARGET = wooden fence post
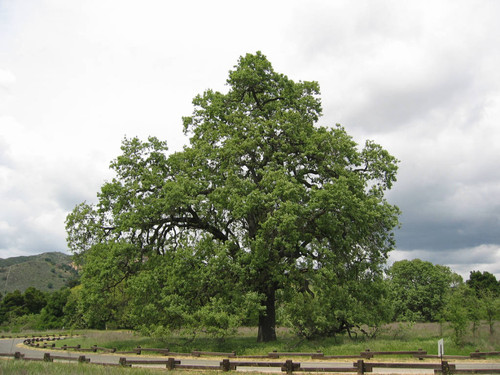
x: 171, y: 364
x: 225, y: 365
x: 361, y: 367
x: 123, y: 361
x: 81, y: 359
x: 46, y: 357
x: 288, y: 367
x: 17, y: 355
x: 445, y: 368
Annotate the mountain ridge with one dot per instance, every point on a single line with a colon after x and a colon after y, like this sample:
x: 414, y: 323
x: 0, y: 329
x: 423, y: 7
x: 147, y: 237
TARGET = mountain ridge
x: 47, y: 272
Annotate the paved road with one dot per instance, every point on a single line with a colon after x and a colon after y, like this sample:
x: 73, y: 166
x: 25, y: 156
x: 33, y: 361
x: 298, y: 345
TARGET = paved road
x: 14, y: 345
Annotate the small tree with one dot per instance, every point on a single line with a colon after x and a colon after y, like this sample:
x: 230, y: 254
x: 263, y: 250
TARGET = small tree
x: 419, y: 289
x: 12, y: 305
x: 483, y: 282
x: 487, y: 292
x: 491, y: 308
x: 35, y: 300
x: 52, y: 315
x: 456, y: 314
x: 462, y: 309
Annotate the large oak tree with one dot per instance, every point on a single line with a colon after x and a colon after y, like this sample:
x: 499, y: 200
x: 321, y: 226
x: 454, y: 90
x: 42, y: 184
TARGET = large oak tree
x: 261, y: 207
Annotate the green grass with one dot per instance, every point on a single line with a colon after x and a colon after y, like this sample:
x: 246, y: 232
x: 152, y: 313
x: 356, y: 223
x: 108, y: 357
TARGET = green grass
x: 393, y: 337
x: 17, y: 367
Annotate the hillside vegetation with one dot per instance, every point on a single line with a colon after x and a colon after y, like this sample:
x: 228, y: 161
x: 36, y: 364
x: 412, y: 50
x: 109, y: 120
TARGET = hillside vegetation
x: 46, y: 272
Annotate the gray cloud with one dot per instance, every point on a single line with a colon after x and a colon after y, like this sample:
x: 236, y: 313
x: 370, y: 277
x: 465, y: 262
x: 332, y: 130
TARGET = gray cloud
x: 418, y: 79
x: 423, y: 83
x: 462, y: 260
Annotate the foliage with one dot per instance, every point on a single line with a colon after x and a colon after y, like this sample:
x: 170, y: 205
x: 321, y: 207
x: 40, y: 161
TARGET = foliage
x: 461, y: 309
x: 491, y: 309
x: 262, y: 198
x: 182, y: 290
x: 35, y: 309
x: 332, y: 307
x: 484, y: 283
x: 73, y: 315
x: 420, y: 289
x: 102, y: 296
x: 52, y: 315
x: 12, y: 305
x: 34, y: 300
x: 16, y: 304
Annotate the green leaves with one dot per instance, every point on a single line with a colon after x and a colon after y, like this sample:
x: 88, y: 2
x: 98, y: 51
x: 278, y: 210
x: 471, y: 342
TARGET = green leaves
x: 420, y: 289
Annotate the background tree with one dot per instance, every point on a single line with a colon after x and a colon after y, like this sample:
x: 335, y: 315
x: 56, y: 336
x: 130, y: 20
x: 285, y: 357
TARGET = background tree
x: 52, y: 315
x: 463, y: 307
x: 456, y: 313
x: 16, y: 304
x: 420, y: 289
x: 487, y: 290
x: 261, y: 193
x: 73, y: 314
x: 491, y: 308
x: 12, y: 305
x: 484, y: 283
x: 34, y: 300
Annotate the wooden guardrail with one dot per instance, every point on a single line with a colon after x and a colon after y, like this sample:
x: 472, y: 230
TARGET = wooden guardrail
x: 42, y: 338
x: 359, y: 367
x: 41, y: 342
x: 288, y: 366
x: 481, y: 355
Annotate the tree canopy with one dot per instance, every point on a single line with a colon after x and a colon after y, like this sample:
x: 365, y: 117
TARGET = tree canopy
x: 420, y: 289
x: 484, y: 283
x: 261, y: 210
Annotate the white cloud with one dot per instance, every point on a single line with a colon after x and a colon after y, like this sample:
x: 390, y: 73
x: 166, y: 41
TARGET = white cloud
x: 482, y: 258
x: 7, y: 79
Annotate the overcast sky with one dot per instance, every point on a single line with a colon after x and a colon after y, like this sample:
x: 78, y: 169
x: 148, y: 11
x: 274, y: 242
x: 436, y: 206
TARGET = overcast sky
x: 421, y: 78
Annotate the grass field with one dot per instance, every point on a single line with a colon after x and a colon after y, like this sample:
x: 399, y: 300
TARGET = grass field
x: 393, y: 337
x: 11, y: 367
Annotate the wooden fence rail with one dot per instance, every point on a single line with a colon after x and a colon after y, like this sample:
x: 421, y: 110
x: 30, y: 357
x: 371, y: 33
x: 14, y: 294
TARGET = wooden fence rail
x: 44, y: 337
x: 288, y: 366
x: 43, y: 342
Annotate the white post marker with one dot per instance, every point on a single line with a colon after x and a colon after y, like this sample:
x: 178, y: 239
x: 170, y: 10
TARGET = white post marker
x: 441, y: 348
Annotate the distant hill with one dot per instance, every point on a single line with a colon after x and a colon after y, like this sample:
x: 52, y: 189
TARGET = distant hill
x: 46, y: 272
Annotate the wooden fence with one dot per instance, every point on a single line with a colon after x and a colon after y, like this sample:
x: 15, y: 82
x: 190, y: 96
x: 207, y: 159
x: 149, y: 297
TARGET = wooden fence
x: 289, y: 367
x: 45, y: 343
x: 233, y: 361
x: 36, y: 338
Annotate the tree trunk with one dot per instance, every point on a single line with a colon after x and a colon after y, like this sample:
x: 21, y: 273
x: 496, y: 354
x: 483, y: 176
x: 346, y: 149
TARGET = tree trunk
x: 267, y: 318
